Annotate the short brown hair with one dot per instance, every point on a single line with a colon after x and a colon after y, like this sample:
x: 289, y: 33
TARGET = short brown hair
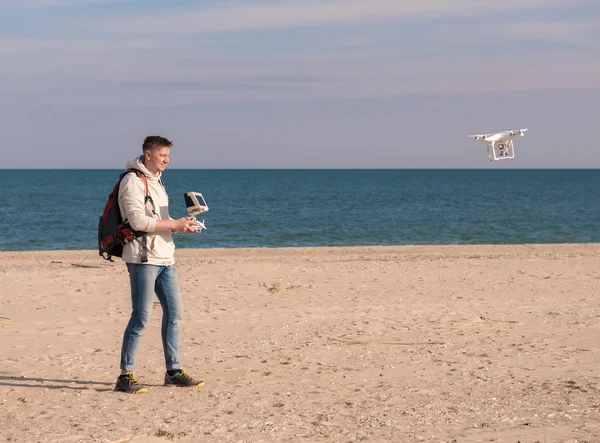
x: 153, y: 142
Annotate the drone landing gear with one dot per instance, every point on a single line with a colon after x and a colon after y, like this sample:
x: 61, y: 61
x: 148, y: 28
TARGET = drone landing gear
x: 501, y: 151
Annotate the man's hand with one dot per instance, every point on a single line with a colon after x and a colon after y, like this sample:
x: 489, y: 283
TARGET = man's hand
x: 193, y: 226
x: 185, y: 224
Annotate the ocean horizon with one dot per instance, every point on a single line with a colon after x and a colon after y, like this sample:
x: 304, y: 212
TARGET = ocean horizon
x: 53, y: 209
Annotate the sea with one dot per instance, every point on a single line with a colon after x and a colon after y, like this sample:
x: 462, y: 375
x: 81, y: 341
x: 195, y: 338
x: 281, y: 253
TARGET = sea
x: 60, y: 209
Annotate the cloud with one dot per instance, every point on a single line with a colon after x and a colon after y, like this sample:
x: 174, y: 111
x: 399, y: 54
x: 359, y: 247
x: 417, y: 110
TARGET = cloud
x: 114, y: 68
x: 576, y: 32
x: 129, y: 82
x: 244, y: 17
x: 31, y: 4
x: 358, y: 41
x: 22, y: 45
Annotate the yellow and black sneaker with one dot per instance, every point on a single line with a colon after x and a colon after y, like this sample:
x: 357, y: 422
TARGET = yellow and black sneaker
x: 178, y: 377
x: 128, y: 383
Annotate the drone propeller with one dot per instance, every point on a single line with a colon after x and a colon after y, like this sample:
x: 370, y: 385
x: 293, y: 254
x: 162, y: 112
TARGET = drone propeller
x: 520, y: 132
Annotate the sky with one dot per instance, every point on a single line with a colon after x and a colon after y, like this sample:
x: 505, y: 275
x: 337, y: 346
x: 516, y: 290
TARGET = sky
x: 298, y: 84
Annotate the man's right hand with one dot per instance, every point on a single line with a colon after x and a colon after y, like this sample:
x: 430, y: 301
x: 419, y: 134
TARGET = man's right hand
x: 184, y: 224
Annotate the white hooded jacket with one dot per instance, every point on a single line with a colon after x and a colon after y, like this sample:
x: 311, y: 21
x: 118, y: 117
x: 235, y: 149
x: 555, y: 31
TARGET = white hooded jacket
x: 142, y: 217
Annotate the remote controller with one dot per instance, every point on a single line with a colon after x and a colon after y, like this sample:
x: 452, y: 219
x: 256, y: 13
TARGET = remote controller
x: 200, y: 225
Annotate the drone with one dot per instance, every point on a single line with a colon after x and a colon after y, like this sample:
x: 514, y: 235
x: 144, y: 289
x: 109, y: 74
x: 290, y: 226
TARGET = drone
x: 500, y: 144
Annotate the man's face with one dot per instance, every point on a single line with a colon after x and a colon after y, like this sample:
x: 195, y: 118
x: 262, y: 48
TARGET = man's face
x: 156, y: 160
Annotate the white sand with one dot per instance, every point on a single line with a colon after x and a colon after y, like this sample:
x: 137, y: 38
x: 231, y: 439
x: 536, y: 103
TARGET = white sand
x: 456, y: 343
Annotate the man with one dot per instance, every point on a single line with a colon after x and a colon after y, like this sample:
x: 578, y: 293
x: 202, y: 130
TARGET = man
x: 151, y: 264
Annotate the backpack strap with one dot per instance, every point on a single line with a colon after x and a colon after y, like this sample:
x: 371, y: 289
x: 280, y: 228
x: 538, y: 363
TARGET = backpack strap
x: 144, y: 247
x: 142, y: 176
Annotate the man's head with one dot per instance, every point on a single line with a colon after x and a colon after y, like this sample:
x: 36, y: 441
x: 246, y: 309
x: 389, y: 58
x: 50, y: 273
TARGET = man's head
x: 156, y: 150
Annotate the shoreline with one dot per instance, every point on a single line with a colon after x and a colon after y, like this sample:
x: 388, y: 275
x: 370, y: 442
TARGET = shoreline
x: 402, y: 343
x: 90, y: 258
x: 403, y: 248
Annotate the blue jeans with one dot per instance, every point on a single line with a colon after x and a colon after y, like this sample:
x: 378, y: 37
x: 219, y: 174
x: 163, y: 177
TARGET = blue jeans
x: 145, y: 281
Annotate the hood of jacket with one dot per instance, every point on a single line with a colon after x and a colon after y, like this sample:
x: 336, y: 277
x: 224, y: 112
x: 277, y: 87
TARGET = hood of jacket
x: 137, y: 163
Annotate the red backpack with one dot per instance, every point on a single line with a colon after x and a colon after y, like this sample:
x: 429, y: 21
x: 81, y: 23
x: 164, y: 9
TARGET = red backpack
x: 113, y: 231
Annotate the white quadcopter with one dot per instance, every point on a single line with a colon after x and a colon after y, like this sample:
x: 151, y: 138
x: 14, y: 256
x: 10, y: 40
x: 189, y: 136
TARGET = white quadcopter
x: 195, y: 205
x: 500, y: 144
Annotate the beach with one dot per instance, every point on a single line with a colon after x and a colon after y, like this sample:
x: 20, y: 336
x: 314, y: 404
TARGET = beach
x: 409, y: 343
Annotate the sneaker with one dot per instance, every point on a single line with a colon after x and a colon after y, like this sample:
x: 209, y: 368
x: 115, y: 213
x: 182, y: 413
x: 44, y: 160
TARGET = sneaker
x: 128, y: 383
x: 180, y: 378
